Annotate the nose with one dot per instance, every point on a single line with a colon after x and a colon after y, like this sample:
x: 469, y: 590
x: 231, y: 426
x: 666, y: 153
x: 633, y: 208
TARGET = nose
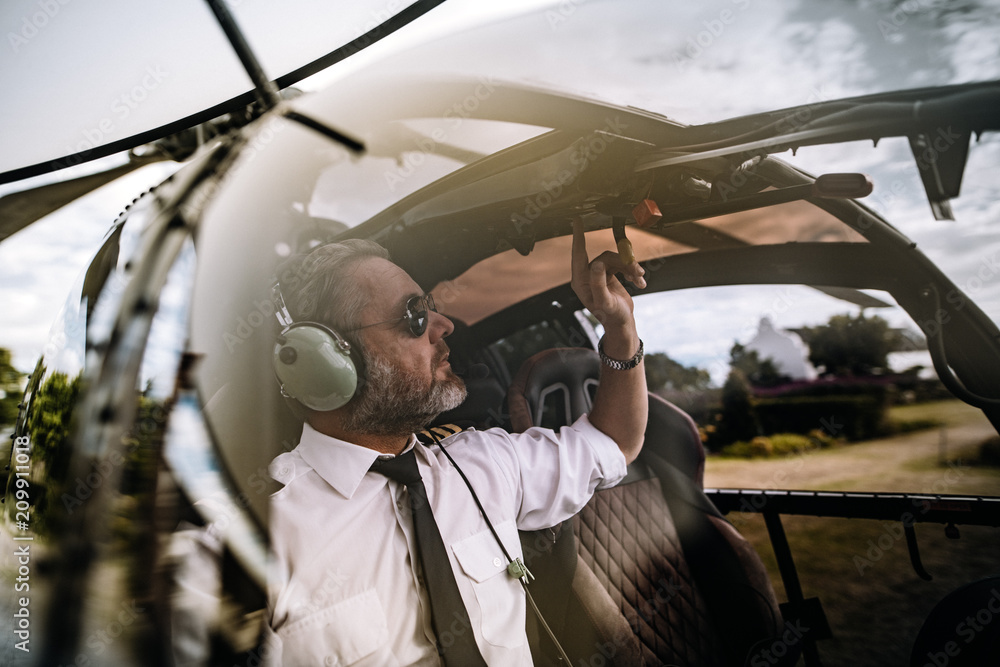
x: 438, y: 326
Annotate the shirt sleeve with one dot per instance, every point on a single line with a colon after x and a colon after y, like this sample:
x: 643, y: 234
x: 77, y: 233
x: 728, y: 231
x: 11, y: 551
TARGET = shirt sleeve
x: 555, y: 474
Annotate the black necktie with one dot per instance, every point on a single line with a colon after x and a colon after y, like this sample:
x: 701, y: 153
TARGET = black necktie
x: 456, y: 642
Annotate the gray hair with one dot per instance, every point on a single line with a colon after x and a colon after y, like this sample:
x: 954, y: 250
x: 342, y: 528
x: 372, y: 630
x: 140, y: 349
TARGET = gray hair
x: 320, y: 287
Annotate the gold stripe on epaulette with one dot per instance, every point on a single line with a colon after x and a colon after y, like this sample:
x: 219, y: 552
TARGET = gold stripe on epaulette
x: 437, y: 433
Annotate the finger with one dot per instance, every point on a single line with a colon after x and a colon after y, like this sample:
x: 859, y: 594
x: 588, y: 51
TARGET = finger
x: 633, y: 272
x: 580, y: 260
x: 597, y: 280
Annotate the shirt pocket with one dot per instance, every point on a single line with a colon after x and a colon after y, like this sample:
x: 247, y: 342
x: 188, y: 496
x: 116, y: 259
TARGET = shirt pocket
x: 342, y: 634
x: 501, y: 602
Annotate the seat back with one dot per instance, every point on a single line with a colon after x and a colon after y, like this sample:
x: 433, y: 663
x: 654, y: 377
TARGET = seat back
x: 634, y: 594
x: 553, y: 388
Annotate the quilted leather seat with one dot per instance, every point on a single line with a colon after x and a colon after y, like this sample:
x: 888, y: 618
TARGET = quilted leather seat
x: 649, y: 572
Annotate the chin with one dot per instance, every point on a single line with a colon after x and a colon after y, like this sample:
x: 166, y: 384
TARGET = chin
x: 450, y: 392
x: 450, y: 377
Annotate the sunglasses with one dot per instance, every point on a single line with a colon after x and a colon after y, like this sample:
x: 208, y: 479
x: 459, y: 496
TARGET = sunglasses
x: 416, y: 315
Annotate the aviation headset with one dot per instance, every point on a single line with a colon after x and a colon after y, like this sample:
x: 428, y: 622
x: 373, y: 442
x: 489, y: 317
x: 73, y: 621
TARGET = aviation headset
x: 314, y: 364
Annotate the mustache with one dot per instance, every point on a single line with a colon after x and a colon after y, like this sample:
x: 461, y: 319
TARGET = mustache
x: 441, y: 354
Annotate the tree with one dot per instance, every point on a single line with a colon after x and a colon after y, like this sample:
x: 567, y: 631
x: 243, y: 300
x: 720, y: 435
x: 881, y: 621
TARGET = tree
x: 51, y: 411
x: 662, y: 372
x: 10, y: 389
x: 760, y: 372
x: 737, y: 420
x: 851, y: 346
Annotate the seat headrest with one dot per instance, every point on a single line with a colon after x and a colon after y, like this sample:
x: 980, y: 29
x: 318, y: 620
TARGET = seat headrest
x: 561, y: 379
x: 555, y: 387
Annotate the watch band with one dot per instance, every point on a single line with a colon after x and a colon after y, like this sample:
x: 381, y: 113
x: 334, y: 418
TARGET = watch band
x: 617, y: 364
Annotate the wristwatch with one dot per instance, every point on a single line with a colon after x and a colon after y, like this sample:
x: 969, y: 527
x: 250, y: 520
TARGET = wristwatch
x: 617, y: 364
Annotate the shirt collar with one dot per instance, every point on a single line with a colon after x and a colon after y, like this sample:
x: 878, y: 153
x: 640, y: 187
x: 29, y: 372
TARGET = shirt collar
x: 340, y: 463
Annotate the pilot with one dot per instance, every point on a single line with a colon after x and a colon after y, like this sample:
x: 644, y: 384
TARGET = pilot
x: 363, y: 573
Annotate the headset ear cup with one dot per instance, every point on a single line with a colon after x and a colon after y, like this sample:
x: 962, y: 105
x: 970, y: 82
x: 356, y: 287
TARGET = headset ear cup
x: 314, y: 365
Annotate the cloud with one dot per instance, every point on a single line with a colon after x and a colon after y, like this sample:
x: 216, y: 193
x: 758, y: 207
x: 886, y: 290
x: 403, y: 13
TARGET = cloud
x: 39, y: 264
x: 692, y: 62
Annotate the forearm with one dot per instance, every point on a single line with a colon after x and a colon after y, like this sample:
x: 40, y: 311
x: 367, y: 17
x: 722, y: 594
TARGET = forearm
x: 622, y: 403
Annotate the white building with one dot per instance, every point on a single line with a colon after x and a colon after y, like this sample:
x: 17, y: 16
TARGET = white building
x: 785, y: 349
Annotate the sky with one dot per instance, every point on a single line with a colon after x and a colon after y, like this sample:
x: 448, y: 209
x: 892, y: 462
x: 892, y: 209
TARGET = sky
x: 693, y: 62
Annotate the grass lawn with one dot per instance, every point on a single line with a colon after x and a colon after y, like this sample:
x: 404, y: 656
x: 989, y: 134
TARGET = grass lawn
x: 949, y: 412
x: 873, y: 599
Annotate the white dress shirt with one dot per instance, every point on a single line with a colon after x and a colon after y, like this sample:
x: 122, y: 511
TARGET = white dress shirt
x: 344, y: 589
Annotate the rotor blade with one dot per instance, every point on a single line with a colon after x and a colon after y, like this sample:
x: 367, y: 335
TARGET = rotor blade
x: 20, y: 209
x: 398, y: 138
x: 850, y: 295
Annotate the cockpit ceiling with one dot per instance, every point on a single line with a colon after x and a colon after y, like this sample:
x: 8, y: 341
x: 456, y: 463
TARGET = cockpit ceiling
x: 794, y: 222
x: 509, y: 277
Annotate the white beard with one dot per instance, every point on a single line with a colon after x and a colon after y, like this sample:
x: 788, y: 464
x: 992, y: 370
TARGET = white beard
x: 393, y: 402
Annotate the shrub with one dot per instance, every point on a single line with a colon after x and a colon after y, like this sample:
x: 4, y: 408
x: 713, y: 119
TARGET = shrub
x: 822, y: 439
x: 857, y: 417
x: 784, y: 444
x: 761, y: 446
x: 741, y: 449
x: 779, y: 444
x: 989, y: 452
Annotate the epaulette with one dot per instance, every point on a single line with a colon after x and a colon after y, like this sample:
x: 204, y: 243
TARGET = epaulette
x: 436, y: 434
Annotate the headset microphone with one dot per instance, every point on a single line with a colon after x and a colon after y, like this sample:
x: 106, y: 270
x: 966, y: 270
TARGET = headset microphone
x: 475, y: 372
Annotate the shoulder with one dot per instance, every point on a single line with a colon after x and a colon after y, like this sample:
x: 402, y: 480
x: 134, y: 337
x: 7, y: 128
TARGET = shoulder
x: 458, y: 441
x: 437, y: 434
x: 286, y: 468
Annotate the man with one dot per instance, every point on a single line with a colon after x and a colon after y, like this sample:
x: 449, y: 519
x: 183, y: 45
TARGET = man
x: 349, y: 586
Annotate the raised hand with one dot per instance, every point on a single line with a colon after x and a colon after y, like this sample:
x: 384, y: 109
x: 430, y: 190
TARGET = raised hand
x: 598, y: 287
